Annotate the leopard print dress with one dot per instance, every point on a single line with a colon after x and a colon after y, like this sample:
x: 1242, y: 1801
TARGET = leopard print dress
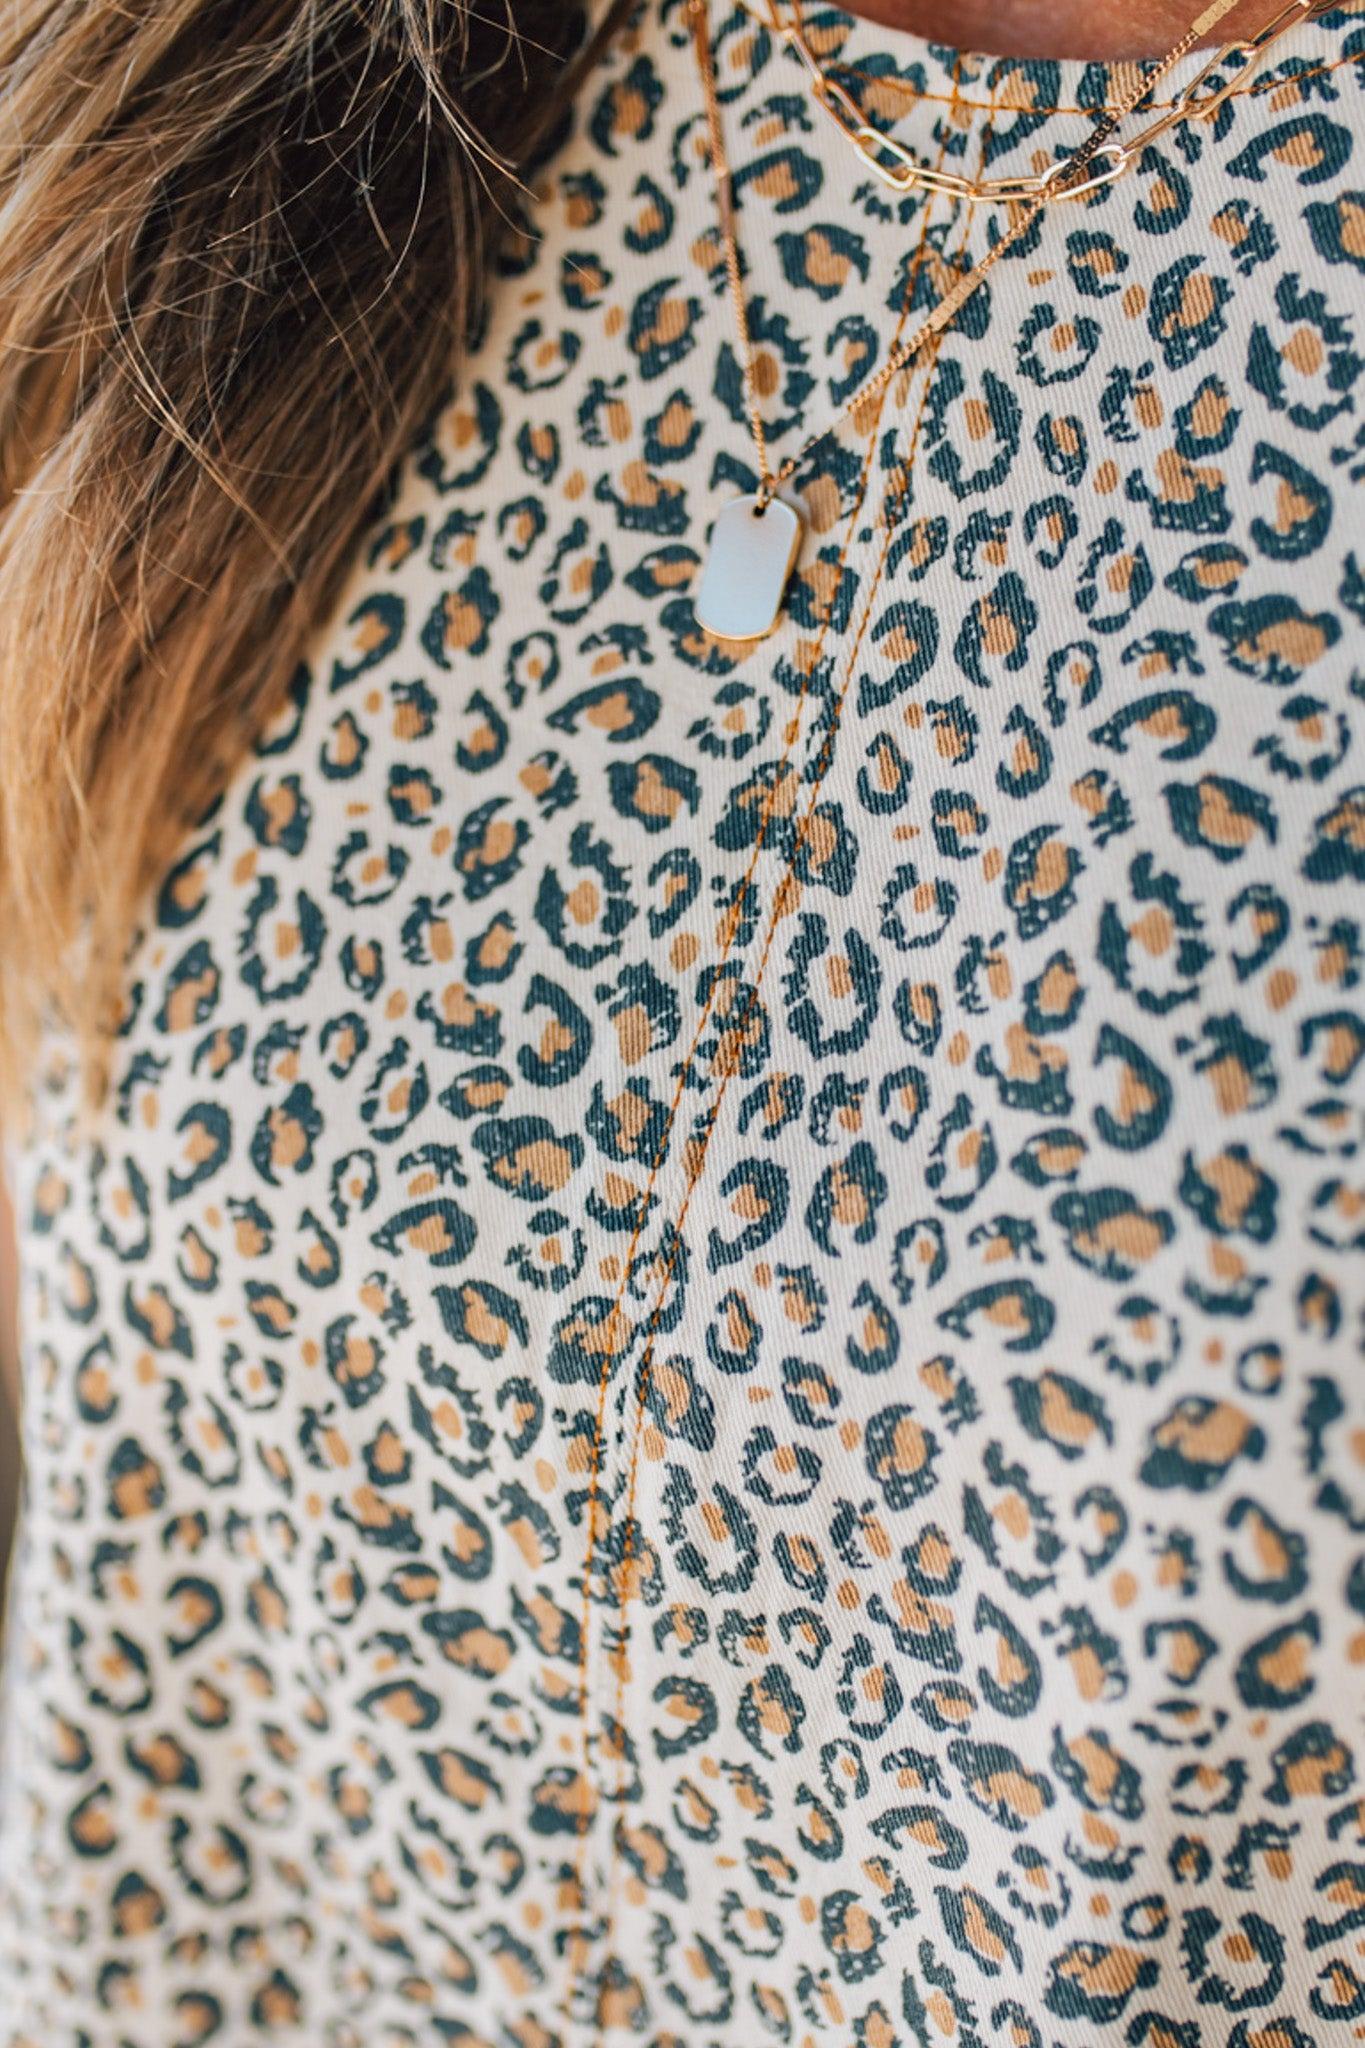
x: 704, y: 1387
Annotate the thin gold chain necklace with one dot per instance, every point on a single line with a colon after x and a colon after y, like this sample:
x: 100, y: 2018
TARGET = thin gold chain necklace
x: 899, y: 168
x: 757, y: 536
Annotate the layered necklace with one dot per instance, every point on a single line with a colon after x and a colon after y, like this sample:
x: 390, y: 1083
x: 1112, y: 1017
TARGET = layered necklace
x: 757, y: 536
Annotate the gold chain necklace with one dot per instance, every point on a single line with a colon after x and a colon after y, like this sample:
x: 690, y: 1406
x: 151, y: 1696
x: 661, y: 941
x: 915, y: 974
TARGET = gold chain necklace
x: 756, y: 537
x: 899, y: 168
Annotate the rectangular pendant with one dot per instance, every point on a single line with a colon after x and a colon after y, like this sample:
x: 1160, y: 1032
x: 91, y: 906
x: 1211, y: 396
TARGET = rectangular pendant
x: 752, y: 550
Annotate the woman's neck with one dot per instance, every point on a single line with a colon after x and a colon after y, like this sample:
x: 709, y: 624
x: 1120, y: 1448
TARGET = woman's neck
x: 1112, y: 29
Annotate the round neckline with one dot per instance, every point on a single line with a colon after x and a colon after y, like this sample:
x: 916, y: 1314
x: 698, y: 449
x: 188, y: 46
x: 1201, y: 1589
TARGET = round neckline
x: 983, y: 81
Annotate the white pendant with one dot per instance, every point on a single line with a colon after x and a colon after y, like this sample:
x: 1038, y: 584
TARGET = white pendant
x: 752, y: 550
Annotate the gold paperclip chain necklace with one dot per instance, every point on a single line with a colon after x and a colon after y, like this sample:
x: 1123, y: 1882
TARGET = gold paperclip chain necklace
x: 756, y: 537
x: 898, y: 167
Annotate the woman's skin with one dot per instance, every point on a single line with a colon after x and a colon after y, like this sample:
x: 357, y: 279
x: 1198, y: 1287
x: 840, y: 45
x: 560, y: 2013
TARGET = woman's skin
x: 1062, y: 28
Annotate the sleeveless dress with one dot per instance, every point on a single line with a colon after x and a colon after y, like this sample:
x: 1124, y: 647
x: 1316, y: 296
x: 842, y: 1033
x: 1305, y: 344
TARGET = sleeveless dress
x: 704, y: 1387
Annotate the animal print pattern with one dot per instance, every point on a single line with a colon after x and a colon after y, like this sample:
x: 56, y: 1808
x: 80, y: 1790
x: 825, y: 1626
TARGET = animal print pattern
x: 704, y: 1388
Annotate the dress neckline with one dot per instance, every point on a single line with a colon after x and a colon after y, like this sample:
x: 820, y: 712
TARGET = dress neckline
x: 981, y: 81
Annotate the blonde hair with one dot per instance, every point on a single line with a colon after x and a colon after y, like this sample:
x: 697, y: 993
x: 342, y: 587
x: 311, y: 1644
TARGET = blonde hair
x: 241, y: 245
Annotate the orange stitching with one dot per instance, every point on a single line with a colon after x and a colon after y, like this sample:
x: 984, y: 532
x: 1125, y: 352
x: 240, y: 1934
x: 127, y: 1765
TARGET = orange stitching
x: 733, y: 923
x: 712, y: 1116
x: 1254, y: 90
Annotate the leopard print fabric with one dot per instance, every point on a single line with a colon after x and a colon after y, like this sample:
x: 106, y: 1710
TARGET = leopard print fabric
x: 704, y: 1387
